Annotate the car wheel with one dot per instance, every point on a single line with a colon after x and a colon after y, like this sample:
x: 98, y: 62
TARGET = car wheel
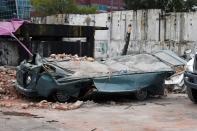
x: 61, y: 97
x: 141, y: 94
x: 192, y: 94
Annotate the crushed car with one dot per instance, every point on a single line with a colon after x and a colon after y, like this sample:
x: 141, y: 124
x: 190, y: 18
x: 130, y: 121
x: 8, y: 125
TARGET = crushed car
x: 67, y: 77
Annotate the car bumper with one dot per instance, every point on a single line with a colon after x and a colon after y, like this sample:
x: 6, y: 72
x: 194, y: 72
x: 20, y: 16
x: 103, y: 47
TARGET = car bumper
x: 26, y: 92
x: 190, y: 80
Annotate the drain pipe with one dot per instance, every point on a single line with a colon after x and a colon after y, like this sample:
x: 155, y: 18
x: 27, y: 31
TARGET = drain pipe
x: 125, y: 49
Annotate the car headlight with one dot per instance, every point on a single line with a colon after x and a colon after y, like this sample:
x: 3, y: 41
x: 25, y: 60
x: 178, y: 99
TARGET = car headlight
x: 28, y: 79
x: 187, y: 78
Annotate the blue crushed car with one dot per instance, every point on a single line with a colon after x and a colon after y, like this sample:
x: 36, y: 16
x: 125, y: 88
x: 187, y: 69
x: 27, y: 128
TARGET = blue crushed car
x: 71, y: 78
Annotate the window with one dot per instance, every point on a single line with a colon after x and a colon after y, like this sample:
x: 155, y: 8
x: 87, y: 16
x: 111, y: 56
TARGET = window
x: 10, y: 9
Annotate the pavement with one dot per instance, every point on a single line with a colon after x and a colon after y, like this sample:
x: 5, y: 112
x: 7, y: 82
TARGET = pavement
x: 172, y: 113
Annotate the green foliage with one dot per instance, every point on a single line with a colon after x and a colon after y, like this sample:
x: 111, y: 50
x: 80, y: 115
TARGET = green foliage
x: 50, y: 7
x: 167, y: 5
x: 190, y: 4
x: 141, y: 4
x: 86, y: 10
x: 176, y: 5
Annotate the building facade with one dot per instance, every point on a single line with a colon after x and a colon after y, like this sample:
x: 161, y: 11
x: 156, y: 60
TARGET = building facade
x: 103, y: 5
x: 10, y: 9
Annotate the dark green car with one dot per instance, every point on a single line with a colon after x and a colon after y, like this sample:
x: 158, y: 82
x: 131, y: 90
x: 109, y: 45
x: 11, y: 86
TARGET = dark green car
x: 141, y: 74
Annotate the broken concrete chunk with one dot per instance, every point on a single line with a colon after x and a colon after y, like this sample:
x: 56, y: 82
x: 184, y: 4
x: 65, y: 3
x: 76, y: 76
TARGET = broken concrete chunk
x: 24, y: 106
x: 60, y: 106
x: 2, y: 91
x: 90, y: 59
x: 76, y: 105
x: 66, y: 106
x: 5, y: 104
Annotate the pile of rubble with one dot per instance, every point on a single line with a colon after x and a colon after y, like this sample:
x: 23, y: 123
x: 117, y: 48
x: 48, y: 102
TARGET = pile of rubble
x: 49, y: 105
x: 60, y: 57
x: 175, y: 84
x: 42, y: 105
x: 7, y: 83
x: 8, y: 94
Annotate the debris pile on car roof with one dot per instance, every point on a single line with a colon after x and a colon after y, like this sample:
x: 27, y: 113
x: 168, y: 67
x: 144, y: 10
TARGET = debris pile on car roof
x: 7, y: 82
x: 66, y: 57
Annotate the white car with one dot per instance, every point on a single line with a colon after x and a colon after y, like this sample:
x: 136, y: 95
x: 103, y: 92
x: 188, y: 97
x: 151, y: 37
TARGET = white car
x: 190, y: 79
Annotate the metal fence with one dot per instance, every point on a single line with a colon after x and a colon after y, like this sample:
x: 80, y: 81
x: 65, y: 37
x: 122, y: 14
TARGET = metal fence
x: 10, y: 9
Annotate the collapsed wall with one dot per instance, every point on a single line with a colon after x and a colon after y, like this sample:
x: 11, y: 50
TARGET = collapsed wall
x: 151, y: 30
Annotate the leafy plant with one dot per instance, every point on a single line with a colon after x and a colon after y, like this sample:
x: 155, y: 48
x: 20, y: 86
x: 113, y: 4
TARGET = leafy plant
x: 167, y: 5
x: 50, y: 7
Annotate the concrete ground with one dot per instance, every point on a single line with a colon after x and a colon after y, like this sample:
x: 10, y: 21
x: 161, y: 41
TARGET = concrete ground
x: 173, y: 113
